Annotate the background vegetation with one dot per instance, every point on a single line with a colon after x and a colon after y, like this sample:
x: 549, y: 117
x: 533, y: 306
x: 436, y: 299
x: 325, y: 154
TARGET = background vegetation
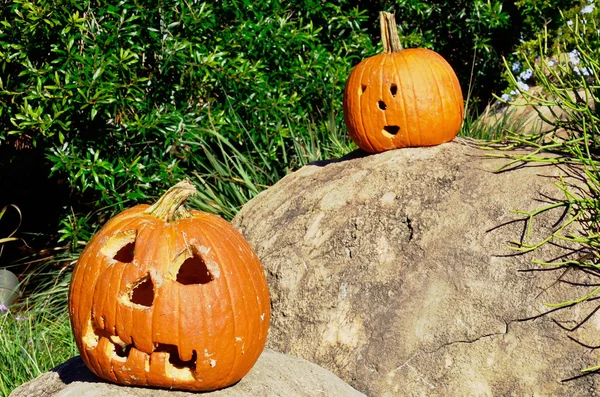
x: 567, y: 99
x: 103, y: 106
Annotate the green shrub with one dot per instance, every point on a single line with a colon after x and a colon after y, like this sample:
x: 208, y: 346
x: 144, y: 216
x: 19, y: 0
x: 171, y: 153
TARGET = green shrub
x: 117, y: 102
x: 538, y: 14
x: 110, y: 93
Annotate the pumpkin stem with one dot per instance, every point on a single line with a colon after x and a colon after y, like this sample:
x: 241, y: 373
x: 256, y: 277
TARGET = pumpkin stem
x: 169, y: 206
x: 389, y: 33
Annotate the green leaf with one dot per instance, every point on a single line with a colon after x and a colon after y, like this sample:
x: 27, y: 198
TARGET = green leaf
x: 97, y: 73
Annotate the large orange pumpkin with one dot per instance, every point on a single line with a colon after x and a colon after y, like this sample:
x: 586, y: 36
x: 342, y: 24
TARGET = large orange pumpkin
x: 165, y: 297
x: 402, y: 97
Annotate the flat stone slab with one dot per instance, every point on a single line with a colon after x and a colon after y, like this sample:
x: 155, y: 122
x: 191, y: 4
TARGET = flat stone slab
x: 273, y: 375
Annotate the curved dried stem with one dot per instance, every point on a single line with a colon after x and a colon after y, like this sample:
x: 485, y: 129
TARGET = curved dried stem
x: 169, y: 206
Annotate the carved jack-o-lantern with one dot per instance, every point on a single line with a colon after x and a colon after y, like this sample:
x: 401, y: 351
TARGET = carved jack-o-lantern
x: 169, y: 298
x: 402, y: 98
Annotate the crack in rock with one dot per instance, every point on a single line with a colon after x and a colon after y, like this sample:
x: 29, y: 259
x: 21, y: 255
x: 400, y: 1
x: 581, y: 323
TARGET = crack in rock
x: 471, y: 341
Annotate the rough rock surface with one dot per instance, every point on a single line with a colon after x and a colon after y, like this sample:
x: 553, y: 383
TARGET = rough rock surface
x: 273, y: 375
x: 394, y: 272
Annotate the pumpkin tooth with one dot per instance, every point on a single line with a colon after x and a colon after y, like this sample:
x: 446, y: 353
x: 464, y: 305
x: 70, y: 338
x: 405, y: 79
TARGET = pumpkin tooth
x: 115, y: 348
x: 184, y: 354
x: 117, y: 341
x: 184, y: 374
x: 175, y: 365
x: 90, y: 338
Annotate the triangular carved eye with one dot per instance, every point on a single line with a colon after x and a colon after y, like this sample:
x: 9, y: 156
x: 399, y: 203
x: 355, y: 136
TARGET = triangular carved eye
x: 125, y: 254
x: 121, y: 246
x: 194, y: 271
x: 142, y: 292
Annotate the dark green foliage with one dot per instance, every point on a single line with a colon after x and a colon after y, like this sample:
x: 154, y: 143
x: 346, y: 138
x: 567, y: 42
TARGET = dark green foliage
x: 539, y: 13
x: 109, y: 93
x: 560, y: 39
x: 557, y: 17
x: 117, y: 101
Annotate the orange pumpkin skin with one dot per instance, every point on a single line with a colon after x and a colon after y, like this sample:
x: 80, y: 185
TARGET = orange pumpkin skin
x: 182, y: 304
x: 403, y: 99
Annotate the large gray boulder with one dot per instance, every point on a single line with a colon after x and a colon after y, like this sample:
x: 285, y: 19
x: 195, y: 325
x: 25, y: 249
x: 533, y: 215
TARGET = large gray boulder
x: 273, y: 375
x: 394, y: 271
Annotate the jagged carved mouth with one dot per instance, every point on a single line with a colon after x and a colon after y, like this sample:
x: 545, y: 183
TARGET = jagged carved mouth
x: 117, y: 351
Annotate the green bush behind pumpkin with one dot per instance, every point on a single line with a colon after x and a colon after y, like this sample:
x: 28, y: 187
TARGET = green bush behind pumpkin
x: 118, y: 100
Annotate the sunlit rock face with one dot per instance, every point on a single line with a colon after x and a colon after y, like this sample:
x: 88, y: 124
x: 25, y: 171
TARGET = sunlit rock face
x: 394, y: 271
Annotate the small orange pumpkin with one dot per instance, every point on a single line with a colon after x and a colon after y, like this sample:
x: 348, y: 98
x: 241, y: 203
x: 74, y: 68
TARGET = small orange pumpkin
x: 162, y: 296
x: 402, y: 98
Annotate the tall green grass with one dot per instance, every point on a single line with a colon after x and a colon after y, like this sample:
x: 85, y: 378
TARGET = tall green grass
x: 233, y: 175
x: 35, y: 335
x: 31, y: 343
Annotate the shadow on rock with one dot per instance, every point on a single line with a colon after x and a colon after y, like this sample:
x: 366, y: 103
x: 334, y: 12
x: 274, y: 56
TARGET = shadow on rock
x: 355, y: 154
x: 75, y: 370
